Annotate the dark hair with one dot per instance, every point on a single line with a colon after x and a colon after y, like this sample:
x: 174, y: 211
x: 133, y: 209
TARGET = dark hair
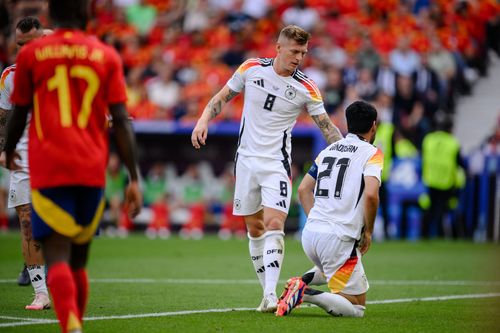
x: 26, y: 24
x: 360, y: 117
x: 444, y: 122
x: 69, y: 13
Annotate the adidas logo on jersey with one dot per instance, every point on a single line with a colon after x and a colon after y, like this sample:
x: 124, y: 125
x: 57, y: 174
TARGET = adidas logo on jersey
x: 282, y: 203
x: 274, y: 264
x: 36, y: 278
x: 259, y: 82
x: 261, y: 270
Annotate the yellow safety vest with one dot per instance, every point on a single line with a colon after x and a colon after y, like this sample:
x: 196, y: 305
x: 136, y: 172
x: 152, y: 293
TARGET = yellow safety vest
x: 439, y: 160
x: 383, y: 141
x: 405, y: 149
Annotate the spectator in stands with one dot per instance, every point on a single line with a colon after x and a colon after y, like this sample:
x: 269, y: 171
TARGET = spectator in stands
x: 367, y: 56
x: 403, y: 59
x: 316, y: 71
x: 236, y: 19
x: 163, y: 90
x: 442, y: 63
x: 301, y: 15
x: 385, y: 76
x: 334, y: 91
x: 428, y: 90
x: 142, y: 16
x: 257, y: 9
x: 365, y: 87
x: 197, y: 16
x: 330, y: 53
x: 408, y: 110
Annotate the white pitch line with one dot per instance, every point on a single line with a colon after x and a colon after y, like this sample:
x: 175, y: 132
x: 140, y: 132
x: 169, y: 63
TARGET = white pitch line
x: 254, y: 281
x: 24, y: 318
x: 189, y: 312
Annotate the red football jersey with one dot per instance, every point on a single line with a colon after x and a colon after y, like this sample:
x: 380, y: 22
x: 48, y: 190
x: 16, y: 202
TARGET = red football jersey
x: 70, y: 78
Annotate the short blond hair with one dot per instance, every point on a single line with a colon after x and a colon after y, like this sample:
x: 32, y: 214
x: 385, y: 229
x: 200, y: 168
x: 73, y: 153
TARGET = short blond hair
x: 296, y: 33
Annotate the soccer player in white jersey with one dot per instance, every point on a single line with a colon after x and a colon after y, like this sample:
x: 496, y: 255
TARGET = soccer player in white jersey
x: 276, y: 91
x: 340, y: 197
x: 27, y: 29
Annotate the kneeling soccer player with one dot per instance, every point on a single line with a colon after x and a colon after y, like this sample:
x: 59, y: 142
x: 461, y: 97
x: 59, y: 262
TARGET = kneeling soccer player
x: 340, y: 196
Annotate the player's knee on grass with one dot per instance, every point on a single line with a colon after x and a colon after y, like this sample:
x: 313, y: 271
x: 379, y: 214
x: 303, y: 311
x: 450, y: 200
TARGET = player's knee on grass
x: 314, y: 277
x: 334, y: 304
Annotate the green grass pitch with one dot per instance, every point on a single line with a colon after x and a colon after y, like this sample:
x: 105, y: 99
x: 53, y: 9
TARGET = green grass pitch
x: 153, y: 282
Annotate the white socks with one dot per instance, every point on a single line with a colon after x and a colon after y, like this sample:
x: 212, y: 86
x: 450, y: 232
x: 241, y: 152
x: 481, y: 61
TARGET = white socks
x: 274, y: 252
x: 334, y: 304
x: 256, y: 247
x: 315, y: 277
x: 37, y: 277
x: 267, y: 252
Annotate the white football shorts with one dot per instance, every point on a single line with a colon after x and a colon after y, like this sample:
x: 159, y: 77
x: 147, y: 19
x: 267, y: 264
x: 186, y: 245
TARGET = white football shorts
x: 338, y: 260
x: 19, y: 189
x: 260, y: 182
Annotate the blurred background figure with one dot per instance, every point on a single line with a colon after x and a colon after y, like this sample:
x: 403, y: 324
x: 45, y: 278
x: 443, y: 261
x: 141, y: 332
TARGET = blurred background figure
x: 193, y: 198
x: 156, y: 196
x: 441, y: 161
x: 116, y: 182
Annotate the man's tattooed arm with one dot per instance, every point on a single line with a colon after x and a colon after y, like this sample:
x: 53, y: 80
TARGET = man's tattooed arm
x: 330, y: 132
x: 218, y: 101
x: 3, y: 127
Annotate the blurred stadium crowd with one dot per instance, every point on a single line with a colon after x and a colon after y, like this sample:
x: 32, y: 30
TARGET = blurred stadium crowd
x: 412, y: 59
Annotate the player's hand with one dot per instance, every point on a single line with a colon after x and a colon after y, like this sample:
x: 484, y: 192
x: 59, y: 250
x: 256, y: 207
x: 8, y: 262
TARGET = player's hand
x: 366, y: 241
x: 199, y: 134
x: 2, y: 159
x: 133, y: 199
x: 11, y: 161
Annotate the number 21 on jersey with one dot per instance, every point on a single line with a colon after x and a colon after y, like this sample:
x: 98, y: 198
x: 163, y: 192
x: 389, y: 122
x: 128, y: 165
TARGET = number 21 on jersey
x: 342, y: 164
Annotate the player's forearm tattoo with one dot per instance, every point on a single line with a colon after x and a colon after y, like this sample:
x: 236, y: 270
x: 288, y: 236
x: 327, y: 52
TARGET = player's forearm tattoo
x: 215, y: 107
x: 230, y: 95
x: 215, y: 104
x: 330, y: 132
x: 3, y: 128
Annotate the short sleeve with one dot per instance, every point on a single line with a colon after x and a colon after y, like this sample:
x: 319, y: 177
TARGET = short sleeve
x: 22, y: 93
x: 375, y: 165
x: 6, y: 89
x: 115, y: 90
x: 237, y: 81
x: 314, y: 104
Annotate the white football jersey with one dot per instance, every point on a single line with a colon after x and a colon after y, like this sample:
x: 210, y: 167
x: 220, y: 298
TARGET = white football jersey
x: 6, y: 88
x: 272, y: 104
x: 338, y: 194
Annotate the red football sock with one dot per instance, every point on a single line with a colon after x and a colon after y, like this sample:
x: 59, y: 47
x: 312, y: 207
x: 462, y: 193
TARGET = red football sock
x: 63, y: 291
x: 82, y: 289
x: 4, y: 222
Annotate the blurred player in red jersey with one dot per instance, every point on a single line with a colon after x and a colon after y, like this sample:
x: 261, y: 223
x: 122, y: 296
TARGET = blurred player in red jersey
x: 74, y: 79
x: 27, y: 29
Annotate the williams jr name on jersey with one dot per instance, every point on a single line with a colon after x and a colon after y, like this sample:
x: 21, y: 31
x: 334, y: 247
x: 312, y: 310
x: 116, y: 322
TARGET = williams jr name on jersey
x: 338, y: 195
x: 272, y: 104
